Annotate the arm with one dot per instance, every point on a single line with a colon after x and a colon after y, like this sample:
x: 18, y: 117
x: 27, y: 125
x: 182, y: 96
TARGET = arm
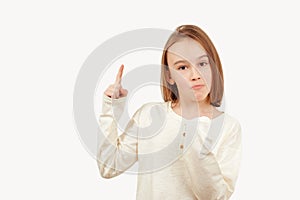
x: 214, y: 176
x: 116, y: 153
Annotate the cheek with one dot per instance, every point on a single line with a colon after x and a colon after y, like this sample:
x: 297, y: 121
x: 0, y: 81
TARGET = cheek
x: 181, y: 79
x: 207, y: 77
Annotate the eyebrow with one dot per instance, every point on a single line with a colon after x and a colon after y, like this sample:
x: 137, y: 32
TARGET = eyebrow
x: 180, y: 61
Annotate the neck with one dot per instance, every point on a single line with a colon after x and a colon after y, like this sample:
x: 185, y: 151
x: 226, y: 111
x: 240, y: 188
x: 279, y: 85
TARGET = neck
x: 192, y: 109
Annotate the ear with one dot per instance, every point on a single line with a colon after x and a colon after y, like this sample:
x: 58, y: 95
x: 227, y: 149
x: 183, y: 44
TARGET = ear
x: 169, y: 78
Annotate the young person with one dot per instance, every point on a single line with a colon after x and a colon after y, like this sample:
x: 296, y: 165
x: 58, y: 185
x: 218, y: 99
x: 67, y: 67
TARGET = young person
x: 185, y: 147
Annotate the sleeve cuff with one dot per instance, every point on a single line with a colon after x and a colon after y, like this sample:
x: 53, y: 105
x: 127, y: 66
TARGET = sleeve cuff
x: 109, y: 100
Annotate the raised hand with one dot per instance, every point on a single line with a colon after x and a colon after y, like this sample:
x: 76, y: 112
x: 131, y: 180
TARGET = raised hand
x: 115, y: 90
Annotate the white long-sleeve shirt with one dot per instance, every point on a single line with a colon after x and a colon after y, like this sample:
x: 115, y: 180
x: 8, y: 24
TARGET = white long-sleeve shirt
x: 177, y: 158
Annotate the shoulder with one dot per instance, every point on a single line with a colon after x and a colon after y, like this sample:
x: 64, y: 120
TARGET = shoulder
x: 232, y: 125
x: 230, y: 120
x: 151, y: 109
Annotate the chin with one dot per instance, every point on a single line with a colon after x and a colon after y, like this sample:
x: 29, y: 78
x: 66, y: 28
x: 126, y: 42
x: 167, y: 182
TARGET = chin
x: 199, y: 98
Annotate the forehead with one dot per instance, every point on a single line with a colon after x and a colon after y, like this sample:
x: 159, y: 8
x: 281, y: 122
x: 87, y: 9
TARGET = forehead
x: 185, y: 49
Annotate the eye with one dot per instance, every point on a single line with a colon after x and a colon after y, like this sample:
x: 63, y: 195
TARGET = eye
x: 183, y: 67
x: 202, y: 64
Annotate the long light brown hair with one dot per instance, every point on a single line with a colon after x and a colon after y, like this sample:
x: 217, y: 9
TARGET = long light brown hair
x: 170, y: 92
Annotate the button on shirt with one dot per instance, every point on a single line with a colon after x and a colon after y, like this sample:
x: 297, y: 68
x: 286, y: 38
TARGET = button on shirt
x: 176, y: 158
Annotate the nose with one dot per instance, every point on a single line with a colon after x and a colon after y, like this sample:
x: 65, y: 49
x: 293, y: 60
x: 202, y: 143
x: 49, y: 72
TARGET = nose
x: 195, y: 74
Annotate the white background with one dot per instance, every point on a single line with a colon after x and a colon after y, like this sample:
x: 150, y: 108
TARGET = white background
x: 44, y: 43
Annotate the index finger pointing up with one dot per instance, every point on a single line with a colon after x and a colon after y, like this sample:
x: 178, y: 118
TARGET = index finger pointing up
x: 119, y: 75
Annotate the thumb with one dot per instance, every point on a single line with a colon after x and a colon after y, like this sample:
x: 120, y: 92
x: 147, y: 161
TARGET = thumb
x: 123, y: 92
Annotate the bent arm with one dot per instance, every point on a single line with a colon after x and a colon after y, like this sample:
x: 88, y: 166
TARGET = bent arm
x: 214, y: 176
x: 115, y: 153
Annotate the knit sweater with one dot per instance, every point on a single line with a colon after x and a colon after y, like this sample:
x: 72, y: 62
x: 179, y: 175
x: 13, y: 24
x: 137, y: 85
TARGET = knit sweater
x: 176, y: 158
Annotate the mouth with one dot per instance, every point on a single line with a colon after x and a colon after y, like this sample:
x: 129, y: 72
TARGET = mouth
x: 195, y: 87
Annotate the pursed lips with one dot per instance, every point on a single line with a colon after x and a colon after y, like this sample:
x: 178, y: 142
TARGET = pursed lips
x: 199, y: 86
